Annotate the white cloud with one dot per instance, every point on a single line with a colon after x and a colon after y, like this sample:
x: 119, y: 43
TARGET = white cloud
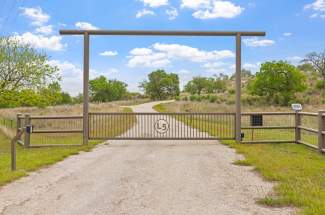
x: 36, y: 15
x: 252, y: 66
x: 195, y: 4
x: 154, y: 3
x: 72, y: 76
x: 255, y: 42
x: 46, y: 29
x: 318, y: 7
x: 295, y: 58
x: 190, y: 53
x: 108, y: 53
x: 287, y: 34
x: 85, y: 26
x: 52, y: 43
x: 144, y: 12
x: 184, y: 71
x: 153, y: 60
x: 216, y: 67
x: 172, y: 13
x: 211, y: 9
x: 160, y: 55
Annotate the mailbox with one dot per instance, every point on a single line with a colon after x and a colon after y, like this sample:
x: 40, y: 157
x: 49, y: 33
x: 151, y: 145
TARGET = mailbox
x: 257, y: 120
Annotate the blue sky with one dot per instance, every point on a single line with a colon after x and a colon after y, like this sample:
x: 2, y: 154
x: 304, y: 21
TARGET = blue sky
x: 293, y: 28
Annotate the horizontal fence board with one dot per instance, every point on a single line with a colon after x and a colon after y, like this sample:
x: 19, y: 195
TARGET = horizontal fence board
x: 307, y: 144
x: 56, y: 131
x: 268, y: 113
x: 54, y: 145
x: 307, y: 114
x: 268, y: 127
x: 308, y: 129
x: 56, y: 117
x: 269, y: 141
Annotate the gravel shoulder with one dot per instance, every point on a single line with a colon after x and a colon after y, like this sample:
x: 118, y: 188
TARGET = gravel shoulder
x: 142, y: 177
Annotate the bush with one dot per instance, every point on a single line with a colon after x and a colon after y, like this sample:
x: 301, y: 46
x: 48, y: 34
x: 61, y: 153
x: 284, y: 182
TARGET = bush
x: 185, y: 98
x: 231, y: 91
x: 177, y: 98
x: 193, y: 98
x: 213, y: 98
x: 320, y: 85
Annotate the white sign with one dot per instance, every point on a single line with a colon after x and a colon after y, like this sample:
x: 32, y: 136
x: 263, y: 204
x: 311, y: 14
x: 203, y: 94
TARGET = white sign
x: 296, y: 107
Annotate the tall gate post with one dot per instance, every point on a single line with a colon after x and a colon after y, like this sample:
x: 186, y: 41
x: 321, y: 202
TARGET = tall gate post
x: 238, y: 88
x: 86, y: 89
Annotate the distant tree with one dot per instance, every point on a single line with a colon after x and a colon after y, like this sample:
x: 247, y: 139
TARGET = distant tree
x: 197, y: 85
x: 317, y: 60
x: 66, y: 98
x: 278, y: 81
x: 245, y: 73
x: 161, y: 85
x: 104, y: 90
x: 21, y: 67
x: 78, y: 99
x: 306, y: 67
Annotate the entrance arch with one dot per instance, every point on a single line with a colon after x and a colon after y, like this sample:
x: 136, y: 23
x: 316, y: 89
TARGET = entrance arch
x: 87, y: 33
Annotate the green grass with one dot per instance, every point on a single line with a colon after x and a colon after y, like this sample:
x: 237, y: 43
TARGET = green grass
x: 299, y: 171
x: 30, y: 159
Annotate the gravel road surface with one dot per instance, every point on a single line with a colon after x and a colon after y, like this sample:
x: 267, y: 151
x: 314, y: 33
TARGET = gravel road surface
x: 142, y: 177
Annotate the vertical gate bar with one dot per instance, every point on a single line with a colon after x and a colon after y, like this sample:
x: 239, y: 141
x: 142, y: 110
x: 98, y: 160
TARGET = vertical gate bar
x: 238, y: 88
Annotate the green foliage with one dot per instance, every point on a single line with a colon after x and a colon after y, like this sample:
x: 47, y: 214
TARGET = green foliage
x: 278, y: 82
x: 21, y: 67
x: 161, y: 85
x: 104, y: 90
x: 26, y: 77
x: 320, y: 84
x: 199, y: 85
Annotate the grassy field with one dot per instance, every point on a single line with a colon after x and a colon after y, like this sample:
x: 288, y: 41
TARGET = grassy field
x: 34, y: 158
x: 298, y: 170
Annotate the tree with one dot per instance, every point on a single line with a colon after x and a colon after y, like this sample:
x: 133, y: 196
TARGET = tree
x: 306, y: 68
x: 104, y: 90
x: 21, y: 67
x: 317, y: 60
x: 161, y: 85
x: 278, y: 81
x: 197, y: 85
x: 66, y: 98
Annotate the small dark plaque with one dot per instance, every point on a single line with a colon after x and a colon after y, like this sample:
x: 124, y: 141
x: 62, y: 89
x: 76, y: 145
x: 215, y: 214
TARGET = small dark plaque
x: 257, y: 120
x: 29, y: 129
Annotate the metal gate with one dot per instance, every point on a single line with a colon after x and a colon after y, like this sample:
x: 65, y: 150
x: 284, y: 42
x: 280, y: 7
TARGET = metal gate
x: 162, y: 126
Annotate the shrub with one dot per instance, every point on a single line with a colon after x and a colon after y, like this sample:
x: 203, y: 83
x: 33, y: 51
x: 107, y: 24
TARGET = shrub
x: 231, y: 91
x: 213, y: 98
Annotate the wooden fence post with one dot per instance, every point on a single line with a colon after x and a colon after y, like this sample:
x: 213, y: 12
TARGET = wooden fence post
x: 18, y: 124
x: 297, y: 129
x: 321, y: 129
x: 27, y: 134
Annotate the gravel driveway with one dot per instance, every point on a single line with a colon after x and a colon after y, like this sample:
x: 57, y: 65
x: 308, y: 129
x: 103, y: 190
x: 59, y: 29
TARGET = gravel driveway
x: 142, y: 177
